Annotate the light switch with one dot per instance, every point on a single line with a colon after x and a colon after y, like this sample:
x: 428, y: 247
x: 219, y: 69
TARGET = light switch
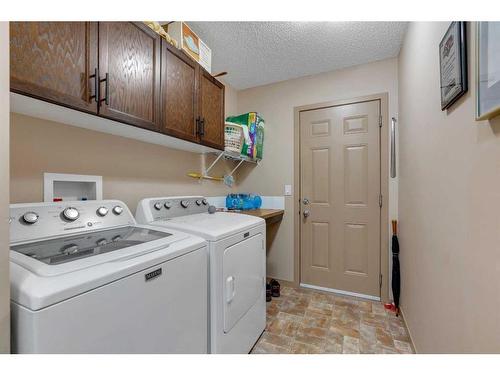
x: 288, y: 190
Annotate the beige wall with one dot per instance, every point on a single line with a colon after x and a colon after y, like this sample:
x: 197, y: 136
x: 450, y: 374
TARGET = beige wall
x: 449, y: 207
x: 276, y: 103
x: 4, y: 189
x: 131, y: 169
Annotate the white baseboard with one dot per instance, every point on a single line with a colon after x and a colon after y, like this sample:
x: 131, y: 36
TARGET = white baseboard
x: 408, y: 329
x: 338, y: 291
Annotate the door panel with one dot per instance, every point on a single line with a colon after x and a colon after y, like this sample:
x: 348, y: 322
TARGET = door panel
x: 320, y: 175
x: 355, y: 174
x: 212, y: 110
x: 178, y: 94
x: 340, y: 177
x: 243, y: 275
x: 320, y: 244
x: 356, y: 249
x: 54, y: 61
x: 130, y: 54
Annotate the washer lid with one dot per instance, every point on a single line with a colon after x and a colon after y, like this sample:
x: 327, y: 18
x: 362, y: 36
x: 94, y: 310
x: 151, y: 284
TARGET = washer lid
x: 71, y: 248
x: 213, y: 227
x: 67, y: 254
x: 36, y: 284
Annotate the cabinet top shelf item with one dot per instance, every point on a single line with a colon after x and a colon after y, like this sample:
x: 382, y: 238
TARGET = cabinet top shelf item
x: 29, y: 106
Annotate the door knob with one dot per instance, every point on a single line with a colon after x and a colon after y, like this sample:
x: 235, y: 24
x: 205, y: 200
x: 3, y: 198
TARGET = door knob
x: 305, y: 201
x: 306, y: 213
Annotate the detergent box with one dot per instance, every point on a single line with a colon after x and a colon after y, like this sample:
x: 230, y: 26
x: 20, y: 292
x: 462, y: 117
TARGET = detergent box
x: 190, y: 43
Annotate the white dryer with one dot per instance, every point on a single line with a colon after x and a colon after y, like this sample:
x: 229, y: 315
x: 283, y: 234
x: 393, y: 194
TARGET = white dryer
x: 85, y: 278
x: 237, y: 266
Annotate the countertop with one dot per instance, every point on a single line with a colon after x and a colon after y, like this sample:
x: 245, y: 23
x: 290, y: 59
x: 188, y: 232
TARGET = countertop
x: 269, y: 215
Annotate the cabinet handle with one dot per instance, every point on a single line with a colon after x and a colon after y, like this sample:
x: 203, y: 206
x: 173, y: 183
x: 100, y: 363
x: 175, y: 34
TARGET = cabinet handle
x: 96, y: 86
x: 106, y: 89
x: 202, y: 126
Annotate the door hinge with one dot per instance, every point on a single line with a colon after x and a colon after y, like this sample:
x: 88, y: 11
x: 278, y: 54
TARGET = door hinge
x: 380, y: 199
x: 379, y: 121
x: 380, y: 280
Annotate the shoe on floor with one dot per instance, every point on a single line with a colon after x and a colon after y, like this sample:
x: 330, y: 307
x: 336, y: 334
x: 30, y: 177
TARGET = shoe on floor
x: 268, y: 292
x: 275, y: 288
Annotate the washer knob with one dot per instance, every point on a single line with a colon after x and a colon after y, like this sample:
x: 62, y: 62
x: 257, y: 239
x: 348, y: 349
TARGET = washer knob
x: 117, y: 210
x: 198, y: 202
x: 71, y: 213
x: 102, y: 211
x: 157, y: 206
x: 30, y: 217
x: 204, y: 201
x: 168, y: 205
x: 185, y: 204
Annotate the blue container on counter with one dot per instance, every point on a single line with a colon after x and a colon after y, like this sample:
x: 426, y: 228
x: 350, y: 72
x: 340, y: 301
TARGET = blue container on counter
x: 243, y: 202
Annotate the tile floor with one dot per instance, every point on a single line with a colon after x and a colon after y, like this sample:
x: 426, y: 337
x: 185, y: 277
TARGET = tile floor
x: 306, y: 321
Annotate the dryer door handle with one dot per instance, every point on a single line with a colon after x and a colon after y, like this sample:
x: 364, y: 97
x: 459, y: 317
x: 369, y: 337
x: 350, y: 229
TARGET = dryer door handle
x: 230, y: 290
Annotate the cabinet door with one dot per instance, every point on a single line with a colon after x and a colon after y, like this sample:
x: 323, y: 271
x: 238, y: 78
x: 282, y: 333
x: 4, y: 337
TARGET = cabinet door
x: 54, y: 61
x: 178, y: 94
x: 211, y: 97
x: 129, y: 63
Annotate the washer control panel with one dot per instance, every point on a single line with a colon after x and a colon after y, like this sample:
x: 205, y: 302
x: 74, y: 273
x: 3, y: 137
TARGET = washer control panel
x: 30, y: 221
x: 169, y: 207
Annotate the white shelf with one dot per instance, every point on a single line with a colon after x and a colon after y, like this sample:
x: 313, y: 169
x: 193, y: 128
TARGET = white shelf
x: 238, y: 157
x: 228, y: 156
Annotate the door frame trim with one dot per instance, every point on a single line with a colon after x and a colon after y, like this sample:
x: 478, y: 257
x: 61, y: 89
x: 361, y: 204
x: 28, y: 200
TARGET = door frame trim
x: 384, y: 183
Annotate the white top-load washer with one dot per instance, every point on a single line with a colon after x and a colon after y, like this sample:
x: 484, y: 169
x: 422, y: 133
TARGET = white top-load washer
x: 85, y: 278
x: 237, y: 266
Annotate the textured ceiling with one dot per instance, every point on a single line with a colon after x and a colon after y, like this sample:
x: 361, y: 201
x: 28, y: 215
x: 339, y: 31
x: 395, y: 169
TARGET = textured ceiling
x: 258, y: 53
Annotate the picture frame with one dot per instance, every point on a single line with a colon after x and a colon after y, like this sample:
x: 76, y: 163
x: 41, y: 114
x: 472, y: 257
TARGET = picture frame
x: 453, y: 64
x: 487, y: 70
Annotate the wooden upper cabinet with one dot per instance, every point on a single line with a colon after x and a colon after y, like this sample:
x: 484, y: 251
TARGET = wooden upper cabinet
x: 129, y: 67
x: 54, y: 61
x: 179, y: 84
x: 123, y: 71
x: 211, y: 99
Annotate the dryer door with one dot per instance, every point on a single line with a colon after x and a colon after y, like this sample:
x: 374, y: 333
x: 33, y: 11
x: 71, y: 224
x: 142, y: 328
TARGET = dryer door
x: 244, y: 278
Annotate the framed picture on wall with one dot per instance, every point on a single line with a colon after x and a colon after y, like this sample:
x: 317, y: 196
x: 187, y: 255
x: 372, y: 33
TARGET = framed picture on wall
x: 487, y: 70
x: 453, y: 64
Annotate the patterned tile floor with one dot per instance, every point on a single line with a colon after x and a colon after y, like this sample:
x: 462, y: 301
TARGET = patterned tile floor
x: 306, y: 321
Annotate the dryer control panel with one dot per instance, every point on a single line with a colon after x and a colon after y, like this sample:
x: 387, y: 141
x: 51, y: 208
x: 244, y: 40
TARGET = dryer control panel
x: 153, y: 209
x: 30, y: 221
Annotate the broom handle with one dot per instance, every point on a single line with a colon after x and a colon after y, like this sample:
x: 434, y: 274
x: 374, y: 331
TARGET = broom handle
x: 395, y: 227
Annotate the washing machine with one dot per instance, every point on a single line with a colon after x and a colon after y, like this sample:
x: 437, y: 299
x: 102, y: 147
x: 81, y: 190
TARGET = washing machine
x: 237, y: 265
x: 86, y: 278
